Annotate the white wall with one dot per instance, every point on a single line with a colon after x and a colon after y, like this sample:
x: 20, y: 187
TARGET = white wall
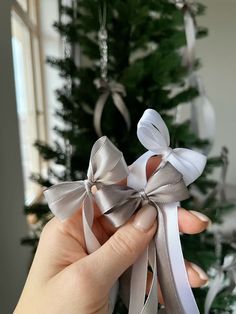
x: 51, y: 47
x: 14, y: 258
x: 218, y: 55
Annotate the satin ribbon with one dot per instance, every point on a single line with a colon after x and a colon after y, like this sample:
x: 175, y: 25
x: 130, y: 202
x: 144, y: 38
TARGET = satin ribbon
x: 117, y: 91
x: 219, y: 282
x: 106, y: 166
x: 154, y: 135
x: 202, y: 111
x: 118, y: 204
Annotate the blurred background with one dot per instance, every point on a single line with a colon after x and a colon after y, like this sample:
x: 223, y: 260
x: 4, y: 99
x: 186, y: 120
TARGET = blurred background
x: 27, y: 114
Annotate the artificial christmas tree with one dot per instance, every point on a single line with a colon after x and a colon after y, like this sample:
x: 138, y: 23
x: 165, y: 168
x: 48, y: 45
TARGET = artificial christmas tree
x: 131, y: 51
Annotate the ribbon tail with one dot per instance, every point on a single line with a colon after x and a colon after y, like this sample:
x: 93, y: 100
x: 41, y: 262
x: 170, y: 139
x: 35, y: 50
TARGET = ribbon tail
x: 91, y: 241
x: 98, y: 112
x: 177, y: 293
x: 92, y: 244
x: 120, y: 105
x: 138, y: 283
x: 151, y: 304
x: 137, y: 303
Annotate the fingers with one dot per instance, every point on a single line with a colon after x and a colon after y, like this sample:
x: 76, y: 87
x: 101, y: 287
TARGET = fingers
x: 192, y: 222
x: 196, y: 276
x: 123, y: 248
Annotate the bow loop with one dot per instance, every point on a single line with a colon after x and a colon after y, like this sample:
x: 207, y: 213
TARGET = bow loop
x: 65, y: 198
x: 117, y: 92
x: 154, y: 136
x: 107, y: 164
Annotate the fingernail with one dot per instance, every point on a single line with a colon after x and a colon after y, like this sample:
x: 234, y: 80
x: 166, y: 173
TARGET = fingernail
x: 200, y: 271
x: 201, y: 216
x: 145, y: 218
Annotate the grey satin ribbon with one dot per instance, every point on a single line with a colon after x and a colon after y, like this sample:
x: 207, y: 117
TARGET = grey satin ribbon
x: 117, y: 91
x: 118, y: 204
x: 106, y: 166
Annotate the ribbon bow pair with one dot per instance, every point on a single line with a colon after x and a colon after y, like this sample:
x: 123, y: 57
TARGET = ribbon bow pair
x: 106, y: 167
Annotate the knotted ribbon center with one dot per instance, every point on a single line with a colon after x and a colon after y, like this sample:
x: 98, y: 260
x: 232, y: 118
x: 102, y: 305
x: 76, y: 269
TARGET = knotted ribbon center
x: 143, y: 195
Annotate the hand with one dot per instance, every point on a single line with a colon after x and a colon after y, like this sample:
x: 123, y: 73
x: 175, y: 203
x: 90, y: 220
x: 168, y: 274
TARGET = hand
x: 64, y: 279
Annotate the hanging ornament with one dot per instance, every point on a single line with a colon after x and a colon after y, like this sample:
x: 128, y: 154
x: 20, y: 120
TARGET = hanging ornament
x: 107, y: 88
x: 68, y: 154
x: 219, y: 192
x: 225, y: 278
x: 202, y: 111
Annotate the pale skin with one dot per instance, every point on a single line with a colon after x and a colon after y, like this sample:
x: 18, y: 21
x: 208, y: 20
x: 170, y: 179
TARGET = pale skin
x: 65, y: 279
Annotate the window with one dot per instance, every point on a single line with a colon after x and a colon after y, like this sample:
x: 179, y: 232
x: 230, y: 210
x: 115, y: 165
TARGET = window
x: 29, y: 89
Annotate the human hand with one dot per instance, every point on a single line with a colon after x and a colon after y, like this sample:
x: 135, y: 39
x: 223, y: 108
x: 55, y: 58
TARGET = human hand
x: 65, y: 279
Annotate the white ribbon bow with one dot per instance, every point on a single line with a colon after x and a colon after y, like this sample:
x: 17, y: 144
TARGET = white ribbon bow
x: 154, y: 136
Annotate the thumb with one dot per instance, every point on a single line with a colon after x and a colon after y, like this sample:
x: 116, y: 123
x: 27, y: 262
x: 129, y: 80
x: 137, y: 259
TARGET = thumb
x: 124, y: 247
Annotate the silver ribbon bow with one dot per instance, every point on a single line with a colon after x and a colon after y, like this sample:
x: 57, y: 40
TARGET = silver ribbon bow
x: 118, y: 203
x: 106, y: 166
x: 117, y: 91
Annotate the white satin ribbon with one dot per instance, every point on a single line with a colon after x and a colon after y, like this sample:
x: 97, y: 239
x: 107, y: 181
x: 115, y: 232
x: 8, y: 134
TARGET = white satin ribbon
x: 154, y: 135
x: 202, y: 111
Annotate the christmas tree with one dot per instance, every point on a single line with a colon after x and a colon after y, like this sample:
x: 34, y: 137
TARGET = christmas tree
x: 132, y: 59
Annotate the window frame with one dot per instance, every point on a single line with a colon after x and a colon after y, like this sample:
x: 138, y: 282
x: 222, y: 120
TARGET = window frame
x: 37, y: 61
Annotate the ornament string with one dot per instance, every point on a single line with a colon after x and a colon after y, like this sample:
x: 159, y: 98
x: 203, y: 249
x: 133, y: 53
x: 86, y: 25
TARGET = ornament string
x: 107, y: 88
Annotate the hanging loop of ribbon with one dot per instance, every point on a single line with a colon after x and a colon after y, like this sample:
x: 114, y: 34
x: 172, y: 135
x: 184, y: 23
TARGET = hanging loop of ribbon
x: 117, y: 92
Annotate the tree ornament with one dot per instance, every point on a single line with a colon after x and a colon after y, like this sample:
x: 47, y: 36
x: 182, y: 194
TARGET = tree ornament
x: 203, y: 121
x: 107, y: 88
